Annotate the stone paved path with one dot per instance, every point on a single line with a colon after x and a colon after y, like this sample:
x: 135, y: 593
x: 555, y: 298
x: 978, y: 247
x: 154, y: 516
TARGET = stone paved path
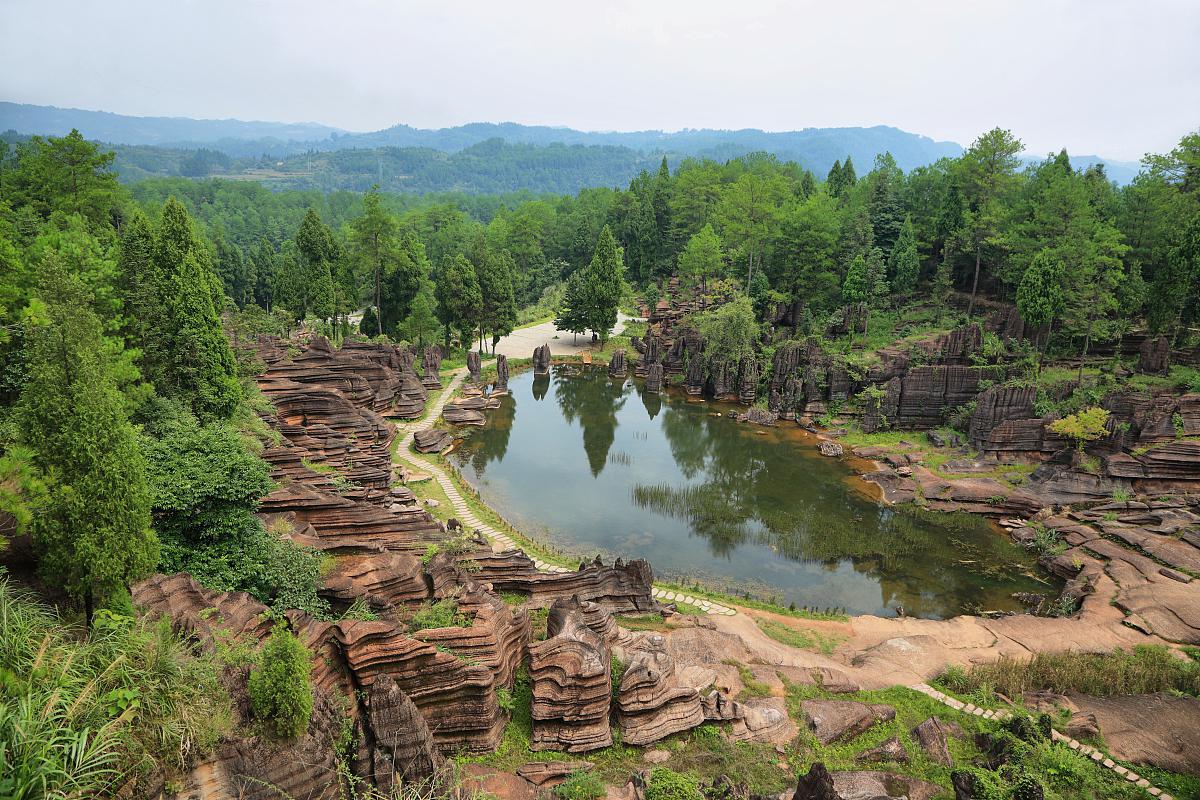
x: 500, y: 540
x: 1091, y: 752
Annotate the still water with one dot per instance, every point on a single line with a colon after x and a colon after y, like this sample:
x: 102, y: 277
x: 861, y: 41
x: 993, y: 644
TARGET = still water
x: 591, y: 465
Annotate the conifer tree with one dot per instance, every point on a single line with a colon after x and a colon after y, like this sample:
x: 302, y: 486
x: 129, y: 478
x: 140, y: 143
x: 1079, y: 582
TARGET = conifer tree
x: 460, y: 301
x: 703, y: 256
x: 849, y: 178
x: 1040, y: 296
x: 833, y: 181
x: 94, y: 531
x: 603, y: 283
x: 203, y: 371
x: 856, y: 288
x: 904, y: 263
x: 135, y: 277
x: 496, y: 273
x: 315, y: 251
x: 374, y: 238
x: 572, y: 310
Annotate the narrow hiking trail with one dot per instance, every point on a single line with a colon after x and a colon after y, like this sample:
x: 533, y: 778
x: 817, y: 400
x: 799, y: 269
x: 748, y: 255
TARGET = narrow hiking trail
x: 500, y: 540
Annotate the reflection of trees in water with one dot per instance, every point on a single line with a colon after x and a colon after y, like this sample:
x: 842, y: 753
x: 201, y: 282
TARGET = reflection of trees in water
x: 490, y: 442
x: 588, y: 395
x: 753, y: 490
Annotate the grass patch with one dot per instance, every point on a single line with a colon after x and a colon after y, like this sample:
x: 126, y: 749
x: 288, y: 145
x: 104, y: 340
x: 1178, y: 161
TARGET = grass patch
x: 643, y: 622
x: 753, y: 686
x: 798, y: 637
x: 441, y: 614
x: 1143, y: 670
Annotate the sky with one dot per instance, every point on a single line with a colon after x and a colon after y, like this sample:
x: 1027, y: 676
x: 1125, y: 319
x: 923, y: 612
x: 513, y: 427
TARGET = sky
x: 1117, y: 78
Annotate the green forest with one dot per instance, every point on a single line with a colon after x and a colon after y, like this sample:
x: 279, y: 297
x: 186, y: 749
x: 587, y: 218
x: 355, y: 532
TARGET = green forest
x: 131, y: 429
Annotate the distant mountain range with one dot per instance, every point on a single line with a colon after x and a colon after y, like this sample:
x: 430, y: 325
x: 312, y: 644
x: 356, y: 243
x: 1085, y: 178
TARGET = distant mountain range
x: 402, y: 158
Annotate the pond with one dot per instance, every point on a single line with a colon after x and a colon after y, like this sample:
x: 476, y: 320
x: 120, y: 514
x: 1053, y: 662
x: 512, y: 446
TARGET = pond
x: 590, y: 464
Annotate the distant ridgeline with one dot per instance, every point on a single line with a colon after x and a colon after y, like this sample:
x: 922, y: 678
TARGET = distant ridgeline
x: 478, y: 158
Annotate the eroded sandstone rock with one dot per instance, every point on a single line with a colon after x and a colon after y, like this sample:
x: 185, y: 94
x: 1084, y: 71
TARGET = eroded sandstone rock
x: 842, y: 720
x: 652, y: 702
x: 572, y: 685
x: 541, y: 360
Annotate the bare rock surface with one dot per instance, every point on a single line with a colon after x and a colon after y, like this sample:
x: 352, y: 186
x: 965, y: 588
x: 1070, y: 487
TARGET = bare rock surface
x: 867, y: 785
x: 931, y: 735
x: 1158, y: 730
x: 888, y: 750
x: 842, y: 720
x: 552, y: 773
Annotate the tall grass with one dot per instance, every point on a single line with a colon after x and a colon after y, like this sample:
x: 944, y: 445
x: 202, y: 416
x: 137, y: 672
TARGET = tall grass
x: 1143, y: 670
x: 83, y: 715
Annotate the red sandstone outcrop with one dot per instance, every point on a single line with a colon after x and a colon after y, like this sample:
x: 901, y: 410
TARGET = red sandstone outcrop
x: 541, y: 360
x: 572, y: 685
x: 432, y: 440
x: 652, y: 701
x: 624, y: 587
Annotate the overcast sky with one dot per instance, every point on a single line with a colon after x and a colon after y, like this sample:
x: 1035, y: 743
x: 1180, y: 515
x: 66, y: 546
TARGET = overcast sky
x: 1112, y: 77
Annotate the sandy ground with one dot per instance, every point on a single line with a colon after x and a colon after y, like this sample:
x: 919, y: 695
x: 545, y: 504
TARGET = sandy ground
x: 521, y: 342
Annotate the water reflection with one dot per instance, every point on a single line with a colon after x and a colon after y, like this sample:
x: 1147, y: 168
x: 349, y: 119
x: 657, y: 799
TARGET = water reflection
x: 703, y: 496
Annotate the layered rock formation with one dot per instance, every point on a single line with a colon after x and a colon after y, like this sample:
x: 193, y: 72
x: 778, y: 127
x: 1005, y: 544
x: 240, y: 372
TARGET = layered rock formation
x: 622, y: 588
x: 431, y: 364
x: 572, y: 684
x: 473, y: 366
x: 652, y: 701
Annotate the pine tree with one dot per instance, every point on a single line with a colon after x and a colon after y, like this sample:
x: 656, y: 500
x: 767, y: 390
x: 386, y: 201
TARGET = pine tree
x: 856, y: 288
x: 703, y: 256
x: 135, y: 277
x: 903, y: 262
x: 496, y: 273
x: 421, y: 323
x: 203, y: 370
x: 833, y: 181
x: 460, y: 301
x: 374, y: 238
x: 943, y: 285
x: 572, y: 310
x: 316, y: 251
x: 1040, y: 296
x: 94, y: 530
x: 603, y: 282
x: 849, y: 179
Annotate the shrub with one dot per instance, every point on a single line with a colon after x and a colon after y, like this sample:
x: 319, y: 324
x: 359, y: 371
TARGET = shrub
x: 1083, y: 426
x: 667, y: 784
x: 280, y: 688
x: 580, y: 786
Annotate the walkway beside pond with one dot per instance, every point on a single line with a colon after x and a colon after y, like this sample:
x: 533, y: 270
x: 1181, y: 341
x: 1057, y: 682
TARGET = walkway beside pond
x: 499, y: 539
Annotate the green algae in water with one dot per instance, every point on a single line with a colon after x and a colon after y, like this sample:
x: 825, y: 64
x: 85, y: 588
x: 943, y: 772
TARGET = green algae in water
x: 592, y: 464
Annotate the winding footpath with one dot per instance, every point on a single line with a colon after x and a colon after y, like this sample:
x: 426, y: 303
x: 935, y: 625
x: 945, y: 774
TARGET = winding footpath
x: 500, y: 540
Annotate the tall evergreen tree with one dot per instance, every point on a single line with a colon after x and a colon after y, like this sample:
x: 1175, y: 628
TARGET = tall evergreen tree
x: 856, y: 288
x: 604, y: 281
x: 316, y: 251
x: 988, y: 171
x: 1040, y: 297
x: 572, y: 312
x: 94, y: 531
x: 833, y: 181
x: 203, y: 371
x: 374, y: 238
x: 460, y: 302
x: 903, y: 262
x: 497, y: 276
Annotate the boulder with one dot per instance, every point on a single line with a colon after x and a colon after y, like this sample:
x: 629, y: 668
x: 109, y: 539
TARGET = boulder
x: 403, y: 751
x: 883, y: 785
x: 816, y: 784
x: 889, y: 750
x: 432, y: 363
x: 759, y: 416
x: 551, y: 773
x: 842, y: 720
x: 572, y: 685
x: 654, y: 377
x: 541, y: 360
x: 432, y: 440
x: 931, y: 736
x: 831, y: 449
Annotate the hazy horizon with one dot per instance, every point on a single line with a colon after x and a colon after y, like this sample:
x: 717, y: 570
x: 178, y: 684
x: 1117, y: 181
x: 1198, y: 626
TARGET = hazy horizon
x: 1050, y: 72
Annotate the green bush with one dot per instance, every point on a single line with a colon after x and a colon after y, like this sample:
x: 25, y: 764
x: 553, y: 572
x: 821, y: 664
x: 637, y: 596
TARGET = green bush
x: 580, y: 786
x: 667, y: 784
x: 280, y: 687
